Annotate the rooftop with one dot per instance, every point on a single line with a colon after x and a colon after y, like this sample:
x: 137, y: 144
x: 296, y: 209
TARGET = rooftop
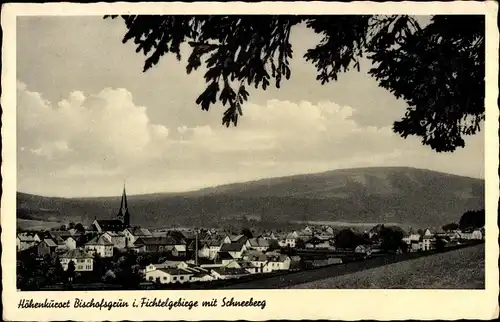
x: 233, y: 247
x: 76, y: 253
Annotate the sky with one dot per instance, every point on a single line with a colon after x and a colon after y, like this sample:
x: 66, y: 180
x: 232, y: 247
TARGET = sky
x: 89, y: 119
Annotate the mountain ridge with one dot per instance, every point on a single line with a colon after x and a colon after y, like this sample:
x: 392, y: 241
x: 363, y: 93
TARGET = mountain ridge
x: 374, y: 194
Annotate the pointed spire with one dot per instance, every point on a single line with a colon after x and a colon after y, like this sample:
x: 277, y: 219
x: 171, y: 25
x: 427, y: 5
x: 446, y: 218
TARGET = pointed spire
x: 123, y: 213
x: 124, y: 199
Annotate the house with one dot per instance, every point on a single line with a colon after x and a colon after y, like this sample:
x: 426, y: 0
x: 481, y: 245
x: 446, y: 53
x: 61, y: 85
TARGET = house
x: 238, y: 239
x: 277, y: 263
x: 118, y: 239
x: 308, y: 231
x: 167, y: 264
x: 46, y: 247
x: 291, y: 239
x: 319, y: 242
x: 259, y: 262
x: 427, y: 242
x: 154, y: 244
x: 228, y: 273
x: 411, y: 237
x: 415, y: 246
x: 234, y: 249
x: 83, y: 261
x: 114, y: 225
x: 133, y: 233
x: 428, y: 233
x: 295, y: 262
x: 233, y: 264
x: 100, y: 245
x: 26, y: 240
x: 168, y: 275
x: 179, y: 250
x: 477, y: 234
x: 60, y: 242
x: 321, y: 262
x: 250, y: 267
x: 224, y: 258
x: 363, y: 249
x: 202, y: 277
x: 214, y: 246
x: 225, y: 239
x: 471, y: 234
x: 203, y: 249
x: 268, y: 236
x: 70, y: 243
x: 328, y: 230
x: 259, y: 244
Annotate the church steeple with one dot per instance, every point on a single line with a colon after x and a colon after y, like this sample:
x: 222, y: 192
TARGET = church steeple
x: 123, y: 214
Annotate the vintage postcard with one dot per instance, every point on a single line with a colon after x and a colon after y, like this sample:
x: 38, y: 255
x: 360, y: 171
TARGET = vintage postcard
x: 250, y: 161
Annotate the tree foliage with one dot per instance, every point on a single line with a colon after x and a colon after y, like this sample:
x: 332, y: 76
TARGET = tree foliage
x: 348, y: 239
x: 80, y: 228
x: 391, y: 239
x: 472, y: 220
x: 437, y: 69
x: 247, y: 233
x: 450, y: 226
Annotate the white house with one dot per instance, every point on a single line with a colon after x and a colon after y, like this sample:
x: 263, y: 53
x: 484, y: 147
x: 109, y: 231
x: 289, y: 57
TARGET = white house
x: 291, y: 239
x: 168, y: 275
x: 308, y: 231
x: 118, y: 239
x: 259, y: 262
x: 471, y: 235
x: 26, y: 240
x: 227, y: 240
x: 363, y: 249
x: 268, y: 236
x: 427, y: 242
x: 277, y: 263
x: 179, y: 250
x: 250, y: 267
x: 428, y: 233
x: 83, y: 261
x: 259, y: 244
x: 202, y: 277
x: 100, y: 245
x: 329, y: 230
x: 234, y: 249
x: 233, y: 264
x: 228, y: 273
x: 204, y: 250
x: 133, y: 233
x: 70, y: 243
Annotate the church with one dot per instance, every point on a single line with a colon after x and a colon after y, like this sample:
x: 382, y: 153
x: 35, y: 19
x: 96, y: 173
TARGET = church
x: 119, y: 224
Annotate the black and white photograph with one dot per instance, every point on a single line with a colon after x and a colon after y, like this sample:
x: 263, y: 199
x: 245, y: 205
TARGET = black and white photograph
x: 232, y: 151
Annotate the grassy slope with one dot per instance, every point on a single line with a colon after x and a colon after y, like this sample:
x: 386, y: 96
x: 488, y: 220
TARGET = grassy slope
x: 460, y: 269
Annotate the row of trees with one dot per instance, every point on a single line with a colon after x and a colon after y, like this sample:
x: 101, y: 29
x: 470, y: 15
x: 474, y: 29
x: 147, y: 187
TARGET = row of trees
x: 472, y: 219
x: 78, y: 227
x: 389, y: 239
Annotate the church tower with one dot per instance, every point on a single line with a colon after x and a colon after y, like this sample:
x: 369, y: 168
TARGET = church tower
x: 123, y: 214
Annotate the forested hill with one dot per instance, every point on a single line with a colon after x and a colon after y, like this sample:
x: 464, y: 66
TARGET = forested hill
x: 375, y: 195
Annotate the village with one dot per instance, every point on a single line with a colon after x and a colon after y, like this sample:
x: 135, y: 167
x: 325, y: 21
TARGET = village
x: 112, y: 252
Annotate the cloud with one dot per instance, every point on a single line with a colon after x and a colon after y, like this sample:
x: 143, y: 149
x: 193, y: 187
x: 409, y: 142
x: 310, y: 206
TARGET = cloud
x: 106, y: 129
x: 94, y: 139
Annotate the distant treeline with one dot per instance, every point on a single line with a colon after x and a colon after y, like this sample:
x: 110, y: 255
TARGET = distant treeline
x: 36, y: 214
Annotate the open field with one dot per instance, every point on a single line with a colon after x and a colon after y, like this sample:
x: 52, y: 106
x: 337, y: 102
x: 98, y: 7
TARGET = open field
x: 36, y: 224
x: 458, y: 269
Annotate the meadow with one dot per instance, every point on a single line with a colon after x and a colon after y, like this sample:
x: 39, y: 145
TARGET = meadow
x: 459, y: 269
